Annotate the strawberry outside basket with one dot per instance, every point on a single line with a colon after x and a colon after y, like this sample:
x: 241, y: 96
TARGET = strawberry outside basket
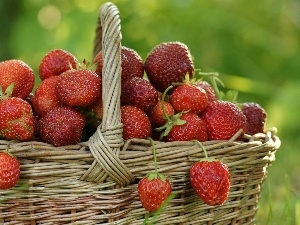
x: 95, y: 182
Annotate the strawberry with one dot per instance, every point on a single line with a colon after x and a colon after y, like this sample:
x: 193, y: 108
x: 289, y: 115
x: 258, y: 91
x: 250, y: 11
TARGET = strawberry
x: 61, y: 126
x: 56, y: 62
x: 211, y: 95
x: 9, y: 171
x: 97, y: 108
x: 136, y: 123
x: 29, y: 98
x: 93, y: 115
x: 16, y: 118
x: 168, y: 63
x: 153, y: 192
x: 193, y: 128
x: 138, y: 92
x: 79, y: 87
x: 188, y: 97
x: 131, y: 63
x: 45, y: 96
x: 256, y: 117
x: 223, y: 119
x: 154, y: 189
x: 19, y: 73
x: 211, y: 181
x: 156, y: 114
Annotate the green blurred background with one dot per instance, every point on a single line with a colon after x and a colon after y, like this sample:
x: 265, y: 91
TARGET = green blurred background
x: 254, y: 45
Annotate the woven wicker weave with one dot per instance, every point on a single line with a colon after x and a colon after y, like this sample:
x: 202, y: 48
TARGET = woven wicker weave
x: 95, y: 182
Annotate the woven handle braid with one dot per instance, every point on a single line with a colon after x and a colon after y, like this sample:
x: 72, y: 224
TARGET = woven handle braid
x: 106, y: 142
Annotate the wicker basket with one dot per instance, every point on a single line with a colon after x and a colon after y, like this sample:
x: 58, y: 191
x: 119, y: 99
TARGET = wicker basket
x: 96, y: 182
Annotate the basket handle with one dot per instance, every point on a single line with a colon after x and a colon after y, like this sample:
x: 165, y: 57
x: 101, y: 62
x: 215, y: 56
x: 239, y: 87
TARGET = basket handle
x: 106, y: 142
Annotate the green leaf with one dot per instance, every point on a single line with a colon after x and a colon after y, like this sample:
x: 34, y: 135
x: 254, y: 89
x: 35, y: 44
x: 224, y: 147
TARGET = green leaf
x: 231, y: 95
x: 153, y: 216
x: 152, y: 175
x: 161, y: 176
x: 179, y: 122
x: 9, y: 89
x: 172, y: 121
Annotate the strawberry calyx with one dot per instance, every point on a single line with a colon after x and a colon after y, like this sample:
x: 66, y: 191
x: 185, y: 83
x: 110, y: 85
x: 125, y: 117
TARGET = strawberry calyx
x: 152, y: 216
x: 171, y: 121
x: 230, y: 95
x: 8, y: 92
x: 155, y: 174
x: 86, y: 65
x: 185, y: 80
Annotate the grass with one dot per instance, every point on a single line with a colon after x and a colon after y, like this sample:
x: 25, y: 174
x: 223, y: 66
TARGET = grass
x: 297, y: 212
x: 284, y: 212
x: 280, y: 199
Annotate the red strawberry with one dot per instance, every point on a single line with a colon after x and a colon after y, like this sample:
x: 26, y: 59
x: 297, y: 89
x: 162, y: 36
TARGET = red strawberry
x: 79, y: 88
x: 188, y: 97
x: 167, y: 63
x: 223, y: 119
x: 211, y: 95
x: 131, y: 63
x: 61, y: 126
x: 156, y: 114
x: 97, y: 108
x: 16, y: 119
x: 9, y: 171
x: 19, y: 73
x: 45, y: 96
x: 194, y: 128
x: 29, y: 98
x: 211, y: 181
x: 56, y: 62
x: 153, y: 192
x: 256, y: 117
x: 136, y: 123
x: 93, y: 115
x: 154, y: 189
x: 138, y: 92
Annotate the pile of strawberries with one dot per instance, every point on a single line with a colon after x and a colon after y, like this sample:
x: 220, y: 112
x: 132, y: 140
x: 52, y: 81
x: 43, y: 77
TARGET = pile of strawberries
x: 170, y: 105
x: 160, y: 99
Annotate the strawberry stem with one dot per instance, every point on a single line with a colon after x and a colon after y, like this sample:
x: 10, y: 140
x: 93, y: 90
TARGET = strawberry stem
x: 230, y: 95
x: 154, y: 156
x: 171, y: 121
x: 203, y: 148
x: 159, y: 211
x: 163, y: 103
x: 214, y: 79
